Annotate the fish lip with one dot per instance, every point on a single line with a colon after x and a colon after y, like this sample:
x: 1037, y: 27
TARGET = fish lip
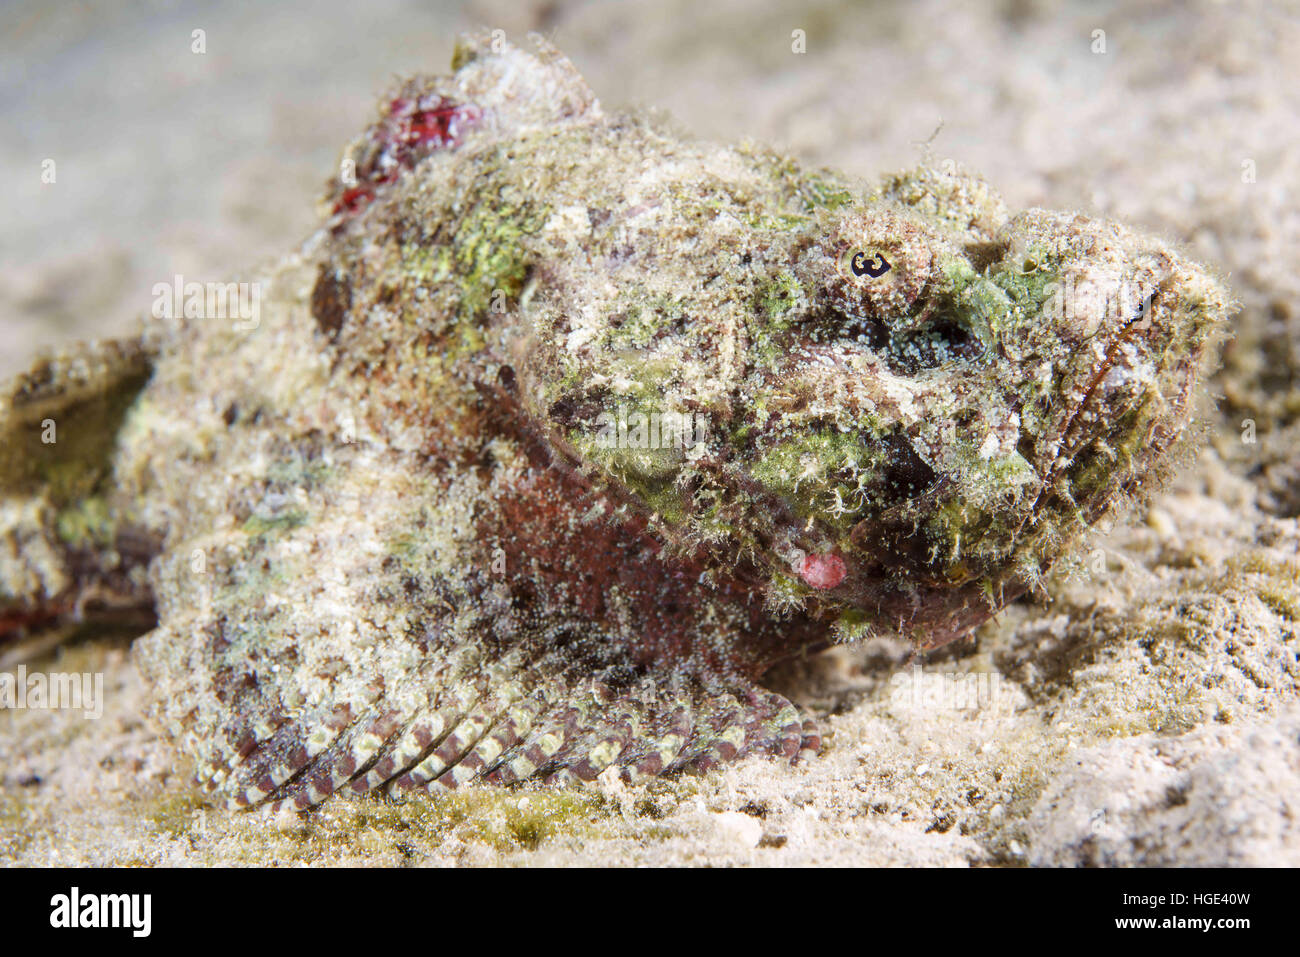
x: 1053, y: 457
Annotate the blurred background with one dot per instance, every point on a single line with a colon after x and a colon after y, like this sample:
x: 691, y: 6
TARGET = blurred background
x: 1180, y: 117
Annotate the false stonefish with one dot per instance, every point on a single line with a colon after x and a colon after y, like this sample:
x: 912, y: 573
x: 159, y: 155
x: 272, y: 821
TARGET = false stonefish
x: 565, y: 427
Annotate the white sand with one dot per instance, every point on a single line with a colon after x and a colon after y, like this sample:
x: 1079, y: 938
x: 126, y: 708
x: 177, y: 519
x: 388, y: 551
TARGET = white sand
x: 1146, y: 714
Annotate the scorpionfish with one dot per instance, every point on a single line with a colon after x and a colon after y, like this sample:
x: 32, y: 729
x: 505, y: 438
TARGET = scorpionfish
x: 564, y: 427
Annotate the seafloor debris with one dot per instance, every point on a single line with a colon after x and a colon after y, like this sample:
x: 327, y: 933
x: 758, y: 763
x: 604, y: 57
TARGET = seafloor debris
x: 385, y: 530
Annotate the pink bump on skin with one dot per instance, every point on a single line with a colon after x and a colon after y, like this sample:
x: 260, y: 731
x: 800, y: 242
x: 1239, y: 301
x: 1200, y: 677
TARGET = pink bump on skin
x: 823, y: 571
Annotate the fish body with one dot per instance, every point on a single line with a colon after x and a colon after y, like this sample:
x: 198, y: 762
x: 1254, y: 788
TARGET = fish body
x: 564, y: 428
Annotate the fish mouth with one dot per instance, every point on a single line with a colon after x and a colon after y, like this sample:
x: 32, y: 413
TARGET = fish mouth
x: 1131, y: 407
x: 1074, y: 432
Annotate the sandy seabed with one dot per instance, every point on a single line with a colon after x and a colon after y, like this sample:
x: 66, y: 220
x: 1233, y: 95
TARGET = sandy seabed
x: 1145, y: 711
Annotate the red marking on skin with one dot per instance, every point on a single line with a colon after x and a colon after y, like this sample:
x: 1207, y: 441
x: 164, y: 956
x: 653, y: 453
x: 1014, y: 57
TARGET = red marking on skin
x: 17, y: 623
x: 411, y: 130
x: 554, y: 550
x: 355, y: 198
x: 823, y: 571
x: 608, y: 570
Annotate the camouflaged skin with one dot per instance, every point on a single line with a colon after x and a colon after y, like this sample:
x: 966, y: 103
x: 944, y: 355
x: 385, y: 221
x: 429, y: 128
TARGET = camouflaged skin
x: 418, y: 524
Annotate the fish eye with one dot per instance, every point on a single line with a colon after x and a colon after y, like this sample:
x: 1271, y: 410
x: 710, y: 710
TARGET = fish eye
x: 865, y: 263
